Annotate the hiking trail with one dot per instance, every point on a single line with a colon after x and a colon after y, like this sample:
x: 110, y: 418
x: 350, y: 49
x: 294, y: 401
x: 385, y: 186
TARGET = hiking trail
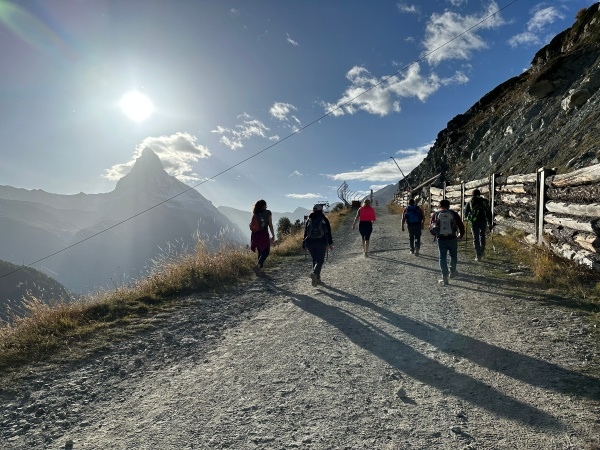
x: 378, y: 357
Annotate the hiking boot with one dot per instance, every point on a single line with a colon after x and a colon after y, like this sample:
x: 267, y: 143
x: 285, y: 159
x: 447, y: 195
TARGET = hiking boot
x: 315, y: 279
x: 416, y: 252
x: 454, y: 274
x: 444, y: 281
x: 319, y: 280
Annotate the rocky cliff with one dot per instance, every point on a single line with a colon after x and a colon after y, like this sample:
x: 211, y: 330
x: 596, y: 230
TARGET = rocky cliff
x: 546, y: 117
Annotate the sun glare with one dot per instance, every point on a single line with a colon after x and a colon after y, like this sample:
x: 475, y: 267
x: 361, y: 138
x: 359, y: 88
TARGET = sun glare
x: 136, y: 106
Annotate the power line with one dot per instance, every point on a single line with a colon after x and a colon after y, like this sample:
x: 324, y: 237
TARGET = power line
x: 254, y: 155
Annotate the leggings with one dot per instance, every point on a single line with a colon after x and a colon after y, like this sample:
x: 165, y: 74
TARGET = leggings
x: 262, y: 255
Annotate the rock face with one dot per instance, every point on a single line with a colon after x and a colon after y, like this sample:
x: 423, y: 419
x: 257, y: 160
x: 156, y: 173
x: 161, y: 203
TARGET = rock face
x: 546, y: 117
x: 116, y: 243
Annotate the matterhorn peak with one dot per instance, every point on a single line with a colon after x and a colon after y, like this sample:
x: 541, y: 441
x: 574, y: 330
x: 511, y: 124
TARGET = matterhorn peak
x: 146, y: 174
x: 148, y: 162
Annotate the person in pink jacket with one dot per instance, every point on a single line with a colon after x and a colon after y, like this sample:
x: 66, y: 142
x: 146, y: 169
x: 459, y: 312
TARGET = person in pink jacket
x: 365, y: 218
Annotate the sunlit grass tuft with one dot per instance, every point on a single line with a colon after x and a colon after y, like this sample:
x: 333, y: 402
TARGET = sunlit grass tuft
x: 394, y: 208
x: 53, y: 326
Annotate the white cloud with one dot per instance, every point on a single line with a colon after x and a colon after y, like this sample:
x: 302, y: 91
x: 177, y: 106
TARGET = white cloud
x: 525, y: 38
x: 387, y: 171
x: 303, y: 196
x: 283, y: 112
x: 295, y: 173
x: 544, y: 17
x: 176, y: 153
x: 458, y: 2
x: 445, y: 36
x: 291, y: 41
x: 536, y: 27
x: 404, y: 8
x: 280, y: 110
x: 375, y: 96
x: 234, y: 137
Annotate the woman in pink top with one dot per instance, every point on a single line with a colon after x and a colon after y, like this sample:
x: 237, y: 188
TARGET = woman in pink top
x: 365, y: 216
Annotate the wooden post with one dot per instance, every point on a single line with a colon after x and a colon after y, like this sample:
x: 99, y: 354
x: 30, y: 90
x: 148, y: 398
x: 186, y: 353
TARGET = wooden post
x: 492, y: 195
x: 540, y: 202
x: 462, y: 200
x: 444, y: 191
x: 429, y: 200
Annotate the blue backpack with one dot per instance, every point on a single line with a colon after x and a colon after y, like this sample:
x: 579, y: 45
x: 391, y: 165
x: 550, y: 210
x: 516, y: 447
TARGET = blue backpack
x: 412, y: 214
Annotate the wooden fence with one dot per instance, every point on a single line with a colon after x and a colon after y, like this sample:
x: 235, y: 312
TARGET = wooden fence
x: 559, y: 211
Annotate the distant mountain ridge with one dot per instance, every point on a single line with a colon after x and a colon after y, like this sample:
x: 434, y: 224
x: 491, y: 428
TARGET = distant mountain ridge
x: 18, y: 282
x: 36, y: 224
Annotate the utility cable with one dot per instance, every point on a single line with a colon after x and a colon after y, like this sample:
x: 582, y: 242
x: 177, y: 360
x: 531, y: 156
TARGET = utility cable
x: 254, y: 155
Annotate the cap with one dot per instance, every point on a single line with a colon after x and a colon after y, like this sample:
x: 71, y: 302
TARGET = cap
x: 318, y: 207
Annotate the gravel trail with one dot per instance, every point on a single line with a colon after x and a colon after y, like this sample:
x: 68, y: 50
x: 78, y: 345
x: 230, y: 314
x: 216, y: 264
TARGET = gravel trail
x: 380, y: 356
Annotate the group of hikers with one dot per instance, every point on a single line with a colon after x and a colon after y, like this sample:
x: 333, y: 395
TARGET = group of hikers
x: 445, y: 224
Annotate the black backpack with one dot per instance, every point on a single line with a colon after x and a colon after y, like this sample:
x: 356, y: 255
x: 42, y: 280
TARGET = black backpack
x: 478, y: 210
x: 316, y: 228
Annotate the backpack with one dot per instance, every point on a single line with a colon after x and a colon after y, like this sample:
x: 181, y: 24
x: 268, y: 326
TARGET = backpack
x: 316, y: 228
x: 257, y: 223
x: 443, y: 224
x: 412, y: 214
x: 478, y: 210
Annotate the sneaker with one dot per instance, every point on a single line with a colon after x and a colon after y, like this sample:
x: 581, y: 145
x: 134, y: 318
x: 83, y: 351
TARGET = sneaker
x: 315, y: 279
x: 454, y: 274
x: 477, y: 258
x: 416, y: 252
x: 412, y: 250
x: 319, y: 280
x: 444, y: 281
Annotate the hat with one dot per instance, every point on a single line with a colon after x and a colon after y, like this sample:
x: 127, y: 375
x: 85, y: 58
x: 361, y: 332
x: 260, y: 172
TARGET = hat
x: 318, y: 207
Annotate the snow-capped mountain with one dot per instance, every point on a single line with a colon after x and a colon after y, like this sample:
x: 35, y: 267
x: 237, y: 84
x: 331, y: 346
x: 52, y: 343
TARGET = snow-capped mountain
x: 109, y: 238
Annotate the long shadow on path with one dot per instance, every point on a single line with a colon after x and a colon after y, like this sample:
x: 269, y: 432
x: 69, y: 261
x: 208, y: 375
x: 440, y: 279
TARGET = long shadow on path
x: 533, y: 371
x: 418, y: 366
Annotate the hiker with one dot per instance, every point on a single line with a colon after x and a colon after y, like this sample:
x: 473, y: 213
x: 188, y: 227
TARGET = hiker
x: 479, y: 213
x: 448, y: 227
x: 414, y: 218
x: 262, y: 222
x: 317, y: 238
x: 365, y: 216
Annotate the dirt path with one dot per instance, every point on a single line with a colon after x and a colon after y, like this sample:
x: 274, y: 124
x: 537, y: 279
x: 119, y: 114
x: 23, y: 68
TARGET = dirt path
x: 379, y: 357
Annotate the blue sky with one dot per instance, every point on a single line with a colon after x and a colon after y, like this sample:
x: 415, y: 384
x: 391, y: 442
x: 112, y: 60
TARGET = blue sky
x: 277, y: 84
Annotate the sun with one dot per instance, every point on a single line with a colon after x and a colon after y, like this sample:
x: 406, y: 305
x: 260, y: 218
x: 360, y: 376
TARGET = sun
x: 136, y: 106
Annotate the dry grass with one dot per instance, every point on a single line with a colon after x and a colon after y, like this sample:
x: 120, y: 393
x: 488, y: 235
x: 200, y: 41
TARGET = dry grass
x: 574, y: 282
x: 48, y: 328
x: 394, y: 208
